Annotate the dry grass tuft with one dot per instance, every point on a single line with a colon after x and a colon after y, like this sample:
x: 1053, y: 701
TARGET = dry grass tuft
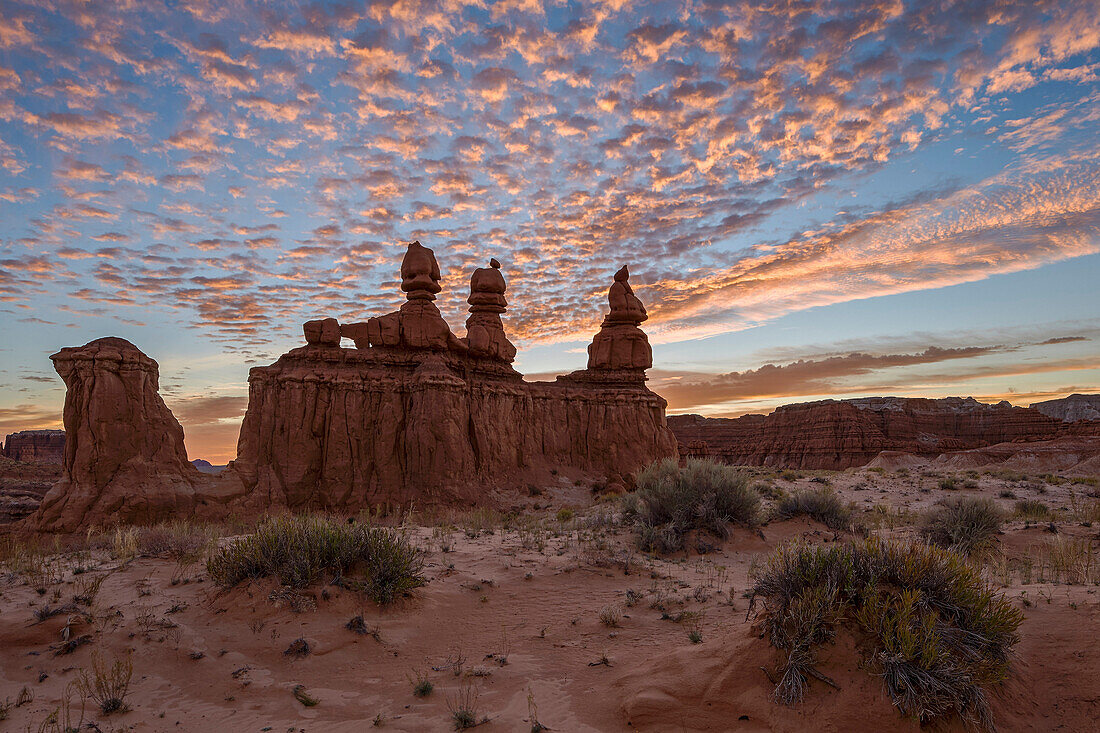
x: 671, y: 500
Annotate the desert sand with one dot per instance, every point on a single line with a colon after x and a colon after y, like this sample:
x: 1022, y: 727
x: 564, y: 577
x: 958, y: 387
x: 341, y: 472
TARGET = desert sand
x: 552, y: 612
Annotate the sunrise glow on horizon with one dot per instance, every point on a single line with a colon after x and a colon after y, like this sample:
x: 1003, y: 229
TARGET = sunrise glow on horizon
x: 816, y: 199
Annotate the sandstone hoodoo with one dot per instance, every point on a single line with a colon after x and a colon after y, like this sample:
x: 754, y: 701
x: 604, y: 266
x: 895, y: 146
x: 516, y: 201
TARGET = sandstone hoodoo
x: 124, y: 455
x: 620, y: 344
x: 414, y: 413
x: 35, y: 446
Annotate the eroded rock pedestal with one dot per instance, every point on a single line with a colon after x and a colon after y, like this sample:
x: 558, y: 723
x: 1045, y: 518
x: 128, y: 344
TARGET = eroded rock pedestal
x: 417, y: 415
x: 124, y: 455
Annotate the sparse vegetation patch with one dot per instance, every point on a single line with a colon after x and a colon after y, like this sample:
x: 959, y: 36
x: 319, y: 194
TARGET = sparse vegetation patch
x: 300, y: 550
x: 671, y: 500
x: 822, y: 504
x: 933, y: 629
x: 964, y: 524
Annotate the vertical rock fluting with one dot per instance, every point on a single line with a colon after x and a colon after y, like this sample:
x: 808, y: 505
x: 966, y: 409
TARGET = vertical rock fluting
x: 124, y: 455
x: 414, y: 414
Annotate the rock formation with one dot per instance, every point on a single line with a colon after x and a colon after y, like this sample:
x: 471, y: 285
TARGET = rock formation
x: 620, y: 344
x: 35, y: 446
x: 484, y: 329
x: 842, y: 434
x: 1071, y: 409
x: 415, y: 414
x: 124, y: 454
x: 418, y: 324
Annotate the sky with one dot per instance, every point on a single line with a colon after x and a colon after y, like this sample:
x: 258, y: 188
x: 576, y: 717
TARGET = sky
x: 816, y: 199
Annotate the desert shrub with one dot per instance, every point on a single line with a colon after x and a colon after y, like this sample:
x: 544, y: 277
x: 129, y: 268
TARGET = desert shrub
x: 949, y: 483
x: 298, y: 550
x: 672, y: 500
x: 935, y: 632
x: 963, y: 524
x: 179, y: 541
x: 1032, y: 509
x: 107, y: 686
x: 822, y: 504
x: 768, y: 490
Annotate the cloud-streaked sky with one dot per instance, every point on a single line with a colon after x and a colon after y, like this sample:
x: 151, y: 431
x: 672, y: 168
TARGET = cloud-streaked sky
x: 815, y: 198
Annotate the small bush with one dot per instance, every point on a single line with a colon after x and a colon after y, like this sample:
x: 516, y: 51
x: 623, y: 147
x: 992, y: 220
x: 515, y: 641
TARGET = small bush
x: 937, y: 633
x: 670, y: 501
x: 611, y: 616
x: 963, y: 524
x: 422, y: 686
x: 302, y: 695
x: 107, y: 687
x: 949, y: 483
x: 1032, y: 509
x: 822, y: 504
x: 463, y: 706
x: 298, y: 550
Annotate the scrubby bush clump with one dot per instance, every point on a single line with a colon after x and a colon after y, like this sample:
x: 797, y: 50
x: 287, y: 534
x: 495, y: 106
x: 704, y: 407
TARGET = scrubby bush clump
x: 964, y: 524
x: 671, y: 500
x: 299, y: 550
x: 822, y: 504
x: 934, y: 630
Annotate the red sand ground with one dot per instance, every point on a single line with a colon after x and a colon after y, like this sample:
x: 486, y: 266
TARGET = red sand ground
x: 532, y: 597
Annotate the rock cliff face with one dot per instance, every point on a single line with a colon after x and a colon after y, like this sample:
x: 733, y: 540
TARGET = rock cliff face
x: 124, y: 457
x: 842, y: 434
x: 35, y: 446
x: 1071, y: 409
x: 415, y: 414
x: 412, y: 415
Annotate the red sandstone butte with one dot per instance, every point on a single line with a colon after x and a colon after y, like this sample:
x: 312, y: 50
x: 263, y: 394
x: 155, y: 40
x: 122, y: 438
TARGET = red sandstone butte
x: 416, y: 414
x: 124, y: 454
x: 836, y: 435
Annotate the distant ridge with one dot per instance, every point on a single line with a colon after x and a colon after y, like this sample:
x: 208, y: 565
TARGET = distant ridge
x: 1071, y: 409
x: 206, y: 466
x: 840, y: 434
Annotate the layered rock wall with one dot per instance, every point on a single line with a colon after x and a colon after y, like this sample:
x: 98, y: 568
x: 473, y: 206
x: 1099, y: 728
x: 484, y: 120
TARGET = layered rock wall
x: 35, y: 446
x: 843, y: 434
x: 346, y: 428
x: 413, y: 415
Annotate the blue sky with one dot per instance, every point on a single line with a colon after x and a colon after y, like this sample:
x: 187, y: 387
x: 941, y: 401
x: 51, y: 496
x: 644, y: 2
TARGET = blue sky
x: 816, y: 199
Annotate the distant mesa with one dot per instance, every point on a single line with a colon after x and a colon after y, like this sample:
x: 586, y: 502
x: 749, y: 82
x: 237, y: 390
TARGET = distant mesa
x: 411, y: 414
x: 840, y: 434
x: 35, y: 446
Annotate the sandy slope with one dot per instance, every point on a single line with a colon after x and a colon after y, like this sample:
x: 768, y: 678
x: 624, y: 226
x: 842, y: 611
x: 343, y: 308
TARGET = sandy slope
x: 520, y: 610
